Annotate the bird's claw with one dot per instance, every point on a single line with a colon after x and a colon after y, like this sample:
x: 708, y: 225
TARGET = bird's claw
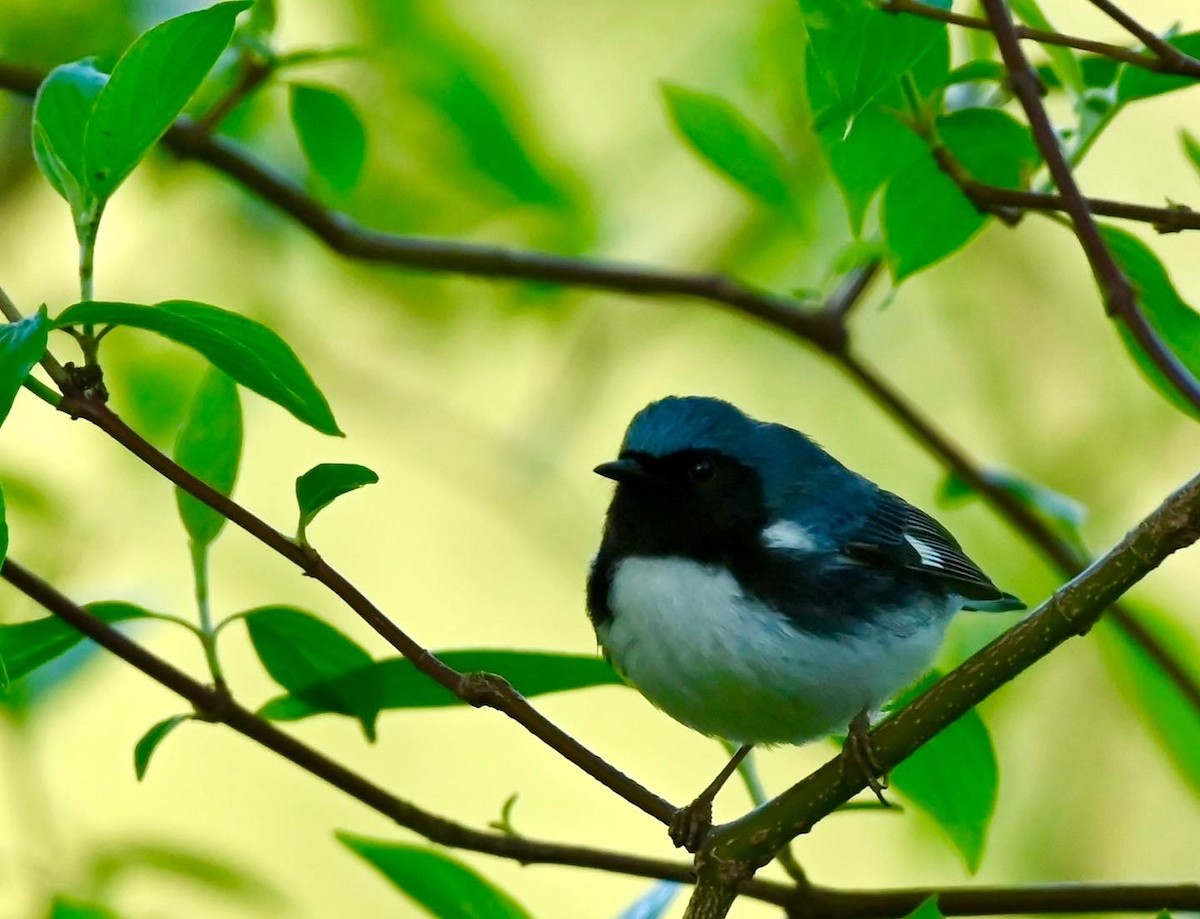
x: 858, y: 749
x: 690, y: 825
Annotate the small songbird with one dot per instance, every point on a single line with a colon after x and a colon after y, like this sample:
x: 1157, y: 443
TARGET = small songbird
x: 755, y: 589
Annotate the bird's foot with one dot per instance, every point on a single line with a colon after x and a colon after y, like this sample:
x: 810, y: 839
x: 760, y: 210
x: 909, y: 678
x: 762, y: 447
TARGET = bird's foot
x: 689, y: 825
x: 861, y: 753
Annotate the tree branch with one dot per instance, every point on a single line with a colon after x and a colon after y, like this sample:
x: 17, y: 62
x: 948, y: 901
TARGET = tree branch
x: 477, y: 689
x: 1178, y: 63
x: 735, y: 848
x: 1162, y: 49
x: 1119, y: 297
x: 214, y: 705
x: 812, y: 902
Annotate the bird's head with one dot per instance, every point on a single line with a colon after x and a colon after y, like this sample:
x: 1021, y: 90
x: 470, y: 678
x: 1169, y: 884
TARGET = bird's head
x: 692, y: 476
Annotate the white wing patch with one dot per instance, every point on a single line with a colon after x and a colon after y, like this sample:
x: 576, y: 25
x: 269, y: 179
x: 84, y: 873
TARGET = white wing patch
x: 930, y: 555
x: 787, y: 534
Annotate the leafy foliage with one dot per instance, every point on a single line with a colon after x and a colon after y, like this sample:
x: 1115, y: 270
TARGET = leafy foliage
x: 331, y: 134
x: 1176, y: 322
x: 25, y: 646
x: 150, y: 742
x: 22, y: 345
x: 325, y: 483
x: 244, y: 349
x: 90, y: 130
x: 402, y: 685
x: 1171, y: 716
x: 954, y: 779
x: 307, y: 657
x: 150, y: 85
x: 442, y: 886
x: 731, y: 143
x: 209, y: 447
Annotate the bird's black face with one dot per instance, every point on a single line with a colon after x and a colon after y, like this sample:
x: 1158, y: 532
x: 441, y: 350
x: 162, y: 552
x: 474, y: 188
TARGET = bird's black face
x: 698, y: 503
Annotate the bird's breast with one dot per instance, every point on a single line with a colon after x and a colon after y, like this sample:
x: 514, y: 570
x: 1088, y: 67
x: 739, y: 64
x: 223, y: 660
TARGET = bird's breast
x: 727, y: 665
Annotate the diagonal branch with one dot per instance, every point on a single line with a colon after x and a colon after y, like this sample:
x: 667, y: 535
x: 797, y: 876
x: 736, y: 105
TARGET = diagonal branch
x: 827, y: 902
x: 732, y: 852
x: 478, y: 689
x: 1176, y: 63
x: 214, y: 705
x: 1119, y: 298
x: 1162, y: 49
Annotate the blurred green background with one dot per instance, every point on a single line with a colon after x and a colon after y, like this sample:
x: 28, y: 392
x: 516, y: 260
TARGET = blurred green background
x: 483, y: 406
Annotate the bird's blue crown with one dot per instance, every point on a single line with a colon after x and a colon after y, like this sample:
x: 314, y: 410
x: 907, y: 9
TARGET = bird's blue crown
x: 782, y: 456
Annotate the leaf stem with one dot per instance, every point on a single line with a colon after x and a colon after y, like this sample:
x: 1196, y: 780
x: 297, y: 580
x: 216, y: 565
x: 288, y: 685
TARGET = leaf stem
x: 42, y: 391
x: 206, y: 632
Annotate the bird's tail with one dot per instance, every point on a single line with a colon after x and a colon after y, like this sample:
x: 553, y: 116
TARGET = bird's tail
x: 1005, y: 603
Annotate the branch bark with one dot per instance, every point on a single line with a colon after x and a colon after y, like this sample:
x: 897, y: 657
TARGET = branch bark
x: 1178, y: 63
x: 1119, y: 298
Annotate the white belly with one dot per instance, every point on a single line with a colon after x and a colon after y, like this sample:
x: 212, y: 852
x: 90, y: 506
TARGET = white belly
x: 724, y: 664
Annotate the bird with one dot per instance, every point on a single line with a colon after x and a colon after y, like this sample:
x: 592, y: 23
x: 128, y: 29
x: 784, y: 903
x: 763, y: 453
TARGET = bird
x: 755, y: 589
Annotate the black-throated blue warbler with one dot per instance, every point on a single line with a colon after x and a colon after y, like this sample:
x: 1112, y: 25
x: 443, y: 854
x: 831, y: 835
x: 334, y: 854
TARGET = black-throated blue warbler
x: 755, y: 589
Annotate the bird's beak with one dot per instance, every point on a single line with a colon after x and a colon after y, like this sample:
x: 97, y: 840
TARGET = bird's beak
x: 625, y: 469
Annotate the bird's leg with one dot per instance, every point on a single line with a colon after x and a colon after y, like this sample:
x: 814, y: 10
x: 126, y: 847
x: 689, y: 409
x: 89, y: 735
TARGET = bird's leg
x: 858, y: 749
x: 689, y: 825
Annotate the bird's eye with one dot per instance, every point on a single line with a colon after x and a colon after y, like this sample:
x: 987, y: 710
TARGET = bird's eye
x: 701, y: 470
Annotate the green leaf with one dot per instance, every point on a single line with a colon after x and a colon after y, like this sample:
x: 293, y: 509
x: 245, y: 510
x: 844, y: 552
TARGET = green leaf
x: 65, y: 907
x: 981, y: 70
x: 25, y: 646
x: 927, y: 910
x: 1139, y: 83
x: 1171, y: 716
x: 731, y: 143
x: 1175, y: 321
x: 113, y: 863
x: 1061, y: 511
x: 857, y: 54
x: 925, y: 215
x: 246, y: 350
x: 953, y: 779
x: 150, y: 740
x: 854, y: 156
x: 331, y: 134
x: 22, y: 344
x: 149, y: 87
x: 3, y: 555
x: 532, y: 673
x: 472, y: 101
x: 1191, y: 147
x: 210, y: 447
x: 306, y: 656
x: 263, y: 19
x: 443, y: 887
x: 324, y: 483
x: 61, y: 111
x: 1063, y: 60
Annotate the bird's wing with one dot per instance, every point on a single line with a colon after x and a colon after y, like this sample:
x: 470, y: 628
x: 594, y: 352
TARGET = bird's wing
x: 897, y: 535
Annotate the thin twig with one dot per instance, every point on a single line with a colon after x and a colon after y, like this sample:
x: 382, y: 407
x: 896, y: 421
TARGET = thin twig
x: 1119, y: 298
x: 1164, y: 50
x: 1180, y: 64
x: 253, y: 71
x: 478, y: 689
